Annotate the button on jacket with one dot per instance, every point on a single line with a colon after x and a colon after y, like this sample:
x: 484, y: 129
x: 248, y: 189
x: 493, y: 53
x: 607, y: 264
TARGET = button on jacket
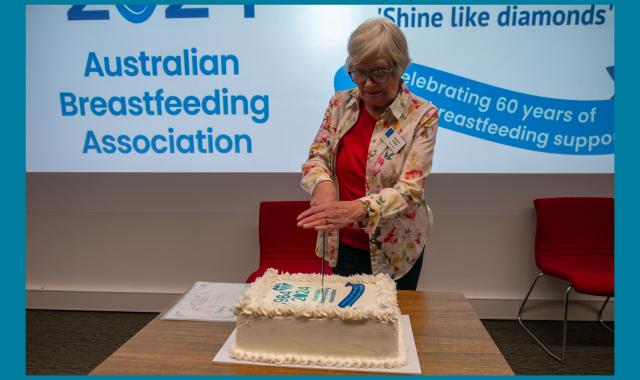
x: 398, y: 220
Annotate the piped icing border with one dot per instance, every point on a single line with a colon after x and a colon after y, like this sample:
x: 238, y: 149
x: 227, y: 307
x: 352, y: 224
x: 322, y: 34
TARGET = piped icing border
x: 325, y: 361
x: 253, y: 302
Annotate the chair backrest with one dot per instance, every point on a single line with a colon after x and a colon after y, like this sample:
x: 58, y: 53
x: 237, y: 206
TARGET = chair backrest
x: 573, y: 226
x: 280, y: 237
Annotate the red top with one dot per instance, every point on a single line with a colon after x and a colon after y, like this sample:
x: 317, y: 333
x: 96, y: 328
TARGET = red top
x: 351, y: 164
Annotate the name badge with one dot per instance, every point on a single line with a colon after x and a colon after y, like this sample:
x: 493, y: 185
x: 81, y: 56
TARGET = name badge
x: 392, y: 140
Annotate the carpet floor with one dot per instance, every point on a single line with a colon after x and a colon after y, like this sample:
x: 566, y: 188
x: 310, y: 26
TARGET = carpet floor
x: 589, y: 347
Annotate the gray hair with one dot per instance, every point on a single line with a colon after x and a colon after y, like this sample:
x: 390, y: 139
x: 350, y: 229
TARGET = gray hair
x: 378, y: 36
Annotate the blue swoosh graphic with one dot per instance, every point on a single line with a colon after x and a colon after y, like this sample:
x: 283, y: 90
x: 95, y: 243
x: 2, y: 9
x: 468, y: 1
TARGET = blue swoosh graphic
x: 353, y: 296
x: 564, y: 134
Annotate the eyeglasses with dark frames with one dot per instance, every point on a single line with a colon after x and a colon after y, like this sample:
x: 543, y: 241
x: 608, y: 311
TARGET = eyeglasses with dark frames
x: 377, y: 76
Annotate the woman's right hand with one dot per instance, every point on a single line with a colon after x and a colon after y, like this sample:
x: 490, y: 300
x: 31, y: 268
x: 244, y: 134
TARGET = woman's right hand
x: 324, y: 192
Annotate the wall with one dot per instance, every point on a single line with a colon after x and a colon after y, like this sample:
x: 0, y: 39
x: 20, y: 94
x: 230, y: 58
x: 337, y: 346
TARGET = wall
x: 131, y: 241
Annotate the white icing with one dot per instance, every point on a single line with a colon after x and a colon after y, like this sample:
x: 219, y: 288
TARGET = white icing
x: 256, y: 303
x: 364, y: 335
x: 396, y: 361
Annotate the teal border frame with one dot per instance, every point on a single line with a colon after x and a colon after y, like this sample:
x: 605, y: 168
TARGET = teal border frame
x: 12, y: 151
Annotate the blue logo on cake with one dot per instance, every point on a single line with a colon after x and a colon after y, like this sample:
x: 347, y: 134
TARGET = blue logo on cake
x: 281, y: 286
x: 287, y: 292
x: 353, y: 296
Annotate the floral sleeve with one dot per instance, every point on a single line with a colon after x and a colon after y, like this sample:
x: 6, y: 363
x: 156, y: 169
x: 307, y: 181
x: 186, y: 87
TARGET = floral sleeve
x: 409, y: 188
x: 317, y: 168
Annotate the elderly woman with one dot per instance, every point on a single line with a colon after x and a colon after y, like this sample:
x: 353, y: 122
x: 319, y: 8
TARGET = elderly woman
x: 368, y: 164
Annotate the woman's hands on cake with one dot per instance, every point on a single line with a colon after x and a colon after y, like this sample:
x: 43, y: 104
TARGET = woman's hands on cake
x: 332, y: 215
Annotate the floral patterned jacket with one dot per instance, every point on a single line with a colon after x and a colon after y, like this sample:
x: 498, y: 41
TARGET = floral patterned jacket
x: 398, y: 219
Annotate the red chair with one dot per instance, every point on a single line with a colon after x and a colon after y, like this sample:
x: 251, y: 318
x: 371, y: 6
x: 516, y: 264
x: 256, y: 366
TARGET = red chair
x: 574, y: 242
x: 284, y: 245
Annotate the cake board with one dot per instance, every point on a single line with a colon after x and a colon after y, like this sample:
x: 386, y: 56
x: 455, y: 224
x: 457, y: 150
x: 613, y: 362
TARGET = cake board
x: 412, y: 366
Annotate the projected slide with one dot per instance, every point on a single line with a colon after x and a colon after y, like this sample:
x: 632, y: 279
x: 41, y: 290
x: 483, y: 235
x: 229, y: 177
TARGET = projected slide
x: 243, y: 88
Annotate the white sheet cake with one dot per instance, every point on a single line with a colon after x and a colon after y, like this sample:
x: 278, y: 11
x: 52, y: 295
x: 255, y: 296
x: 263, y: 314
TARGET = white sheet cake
x: 288, y: 319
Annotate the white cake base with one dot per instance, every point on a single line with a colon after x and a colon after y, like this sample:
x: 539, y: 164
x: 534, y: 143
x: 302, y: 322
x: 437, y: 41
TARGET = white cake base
x: 412, y: 366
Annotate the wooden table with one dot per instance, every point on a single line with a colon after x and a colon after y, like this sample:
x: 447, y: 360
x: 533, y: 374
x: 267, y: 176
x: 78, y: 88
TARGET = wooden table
x: 450, y: 339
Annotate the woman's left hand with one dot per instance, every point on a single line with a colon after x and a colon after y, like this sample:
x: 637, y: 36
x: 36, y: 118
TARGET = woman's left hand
x: 332, y: 215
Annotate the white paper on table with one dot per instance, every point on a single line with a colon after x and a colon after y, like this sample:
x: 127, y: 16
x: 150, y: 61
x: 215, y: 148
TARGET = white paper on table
x: 412, y: 366
x: 208, y: 301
